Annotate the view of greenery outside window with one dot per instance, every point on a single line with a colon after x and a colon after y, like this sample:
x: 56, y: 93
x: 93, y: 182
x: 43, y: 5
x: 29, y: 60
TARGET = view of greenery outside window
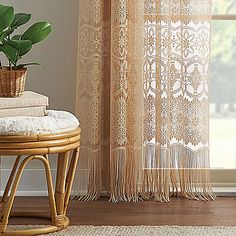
x: 223, y: 86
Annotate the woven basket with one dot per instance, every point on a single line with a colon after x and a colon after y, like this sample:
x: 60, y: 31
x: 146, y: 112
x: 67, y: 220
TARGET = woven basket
x: 12, y: 82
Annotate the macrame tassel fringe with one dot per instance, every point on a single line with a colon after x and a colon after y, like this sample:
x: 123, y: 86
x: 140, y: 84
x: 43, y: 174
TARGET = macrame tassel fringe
x: 88, y: 176
x: 124, y: 175
x: 155, y: 185
x: 163, y: 173
x: 155, y: 175
x: 190, y: 173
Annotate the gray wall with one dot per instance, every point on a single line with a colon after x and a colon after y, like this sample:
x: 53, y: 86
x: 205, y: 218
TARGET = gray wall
x: 56, y: 77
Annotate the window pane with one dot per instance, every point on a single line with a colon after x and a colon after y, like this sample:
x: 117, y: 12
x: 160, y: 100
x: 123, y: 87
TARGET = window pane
x: 223, y: 95
x: 224, y: 7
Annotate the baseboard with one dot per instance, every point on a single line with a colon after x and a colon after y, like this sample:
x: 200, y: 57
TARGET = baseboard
x: 224, y: 189
x: 225, y: 192
x: 30, y: 193
x: 220, y: 192
x: 33, y: 183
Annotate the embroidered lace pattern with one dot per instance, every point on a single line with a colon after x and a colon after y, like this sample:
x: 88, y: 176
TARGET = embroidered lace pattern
x: 142, y: 99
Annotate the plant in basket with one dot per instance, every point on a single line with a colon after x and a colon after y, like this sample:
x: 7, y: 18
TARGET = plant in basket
x: 14, y: 47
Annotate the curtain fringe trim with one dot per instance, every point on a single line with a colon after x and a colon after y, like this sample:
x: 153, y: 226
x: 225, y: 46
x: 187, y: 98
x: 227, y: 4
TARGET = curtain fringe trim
x: 89, y: 184
x: 177, y: 172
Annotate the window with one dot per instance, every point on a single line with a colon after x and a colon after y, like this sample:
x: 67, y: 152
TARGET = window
x: 223, y: 91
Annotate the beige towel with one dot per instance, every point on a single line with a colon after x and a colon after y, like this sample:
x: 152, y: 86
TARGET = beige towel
x: 25, y: 111
x: 28, y: 99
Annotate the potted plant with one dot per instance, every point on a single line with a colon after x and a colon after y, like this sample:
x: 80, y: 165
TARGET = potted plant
x: 14, y: 47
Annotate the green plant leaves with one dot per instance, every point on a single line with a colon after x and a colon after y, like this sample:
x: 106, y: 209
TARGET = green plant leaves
x: 6, y: 21
x: 37, y: 32
x: 16, y: 37
x: 20, y: 66
x: 5, y: 33
x: 23, y: 46
x: 17, y: 46
x: 20, y: 19
x: 14, y: 49
x: 6, y: 16
x: 11, y: 53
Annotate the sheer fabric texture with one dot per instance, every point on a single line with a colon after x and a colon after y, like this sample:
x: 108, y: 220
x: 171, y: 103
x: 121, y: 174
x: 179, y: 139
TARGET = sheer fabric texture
x: 142, y: 99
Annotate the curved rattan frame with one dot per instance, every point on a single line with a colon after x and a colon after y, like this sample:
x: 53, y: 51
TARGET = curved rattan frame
x: 37, y: 147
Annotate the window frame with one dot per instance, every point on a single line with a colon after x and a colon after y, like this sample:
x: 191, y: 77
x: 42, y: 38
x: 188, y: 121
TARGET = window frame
x: 224, y: 17
x: 224, y: 180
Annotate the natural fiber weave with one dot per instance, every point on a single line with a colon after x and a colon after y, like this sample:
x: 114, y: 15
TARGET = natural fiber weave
x: 12, y: 82
x: 144, y: 231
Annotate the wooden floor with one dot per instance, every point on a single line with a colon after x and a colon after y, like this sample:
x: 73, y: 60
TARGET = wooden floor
x: 177, y: 212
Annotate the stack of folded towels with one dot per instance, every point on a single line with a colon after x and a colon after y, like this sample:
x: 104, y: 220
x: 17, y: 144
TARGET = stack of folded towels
x: 29, y: 104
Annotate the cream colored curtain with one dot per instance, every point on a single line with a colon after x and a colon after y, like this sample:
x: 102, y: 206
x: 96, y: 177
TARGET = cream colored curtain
x: 142, y: 99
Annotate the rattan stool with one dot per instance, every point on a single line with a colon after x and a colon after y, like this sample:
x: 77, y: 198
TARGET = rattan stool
x: 38, y: 147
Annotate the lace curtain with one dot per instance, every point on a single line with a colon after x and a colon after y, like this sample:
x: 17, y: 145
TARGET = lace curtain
x: 142, y: 99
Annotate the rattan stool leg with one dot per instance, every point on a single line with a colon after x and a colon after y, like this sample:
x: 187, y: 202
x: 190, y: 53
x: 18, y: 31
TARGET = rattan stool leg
x: 7, y: 209
x: 10, y: 179
x: 70, y: 177
x: 62, y: 165
x: 50, y: 188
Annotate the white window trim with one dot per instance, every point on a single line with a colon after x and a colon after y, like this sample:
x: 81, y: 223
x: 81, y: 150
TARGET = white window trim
x: 224, y: 180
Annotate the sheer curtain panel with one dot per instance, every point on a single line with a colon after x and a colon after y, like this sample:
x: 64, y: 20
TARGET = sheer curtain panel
x: 142, y: 99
